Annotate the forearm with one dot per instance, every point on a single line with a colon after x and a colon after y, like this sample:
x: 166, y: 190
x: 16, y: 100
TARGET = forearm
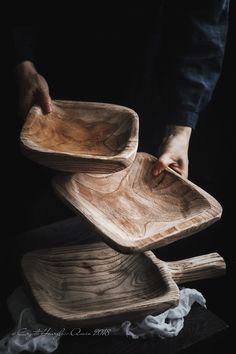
x: 174, y: 130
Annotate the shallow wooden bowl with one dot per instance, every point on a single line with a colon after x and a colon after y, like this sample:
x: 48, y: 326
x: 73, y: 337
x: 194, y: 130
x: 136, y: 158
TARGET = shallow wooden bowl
x: 81, y: 136
x: 91, y: 284
x: 135, y: 211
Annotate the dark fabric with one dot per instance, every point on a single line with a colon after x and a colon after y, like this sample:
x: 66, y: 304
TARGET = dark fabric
x: 195, y: 36
x: 163, y: 60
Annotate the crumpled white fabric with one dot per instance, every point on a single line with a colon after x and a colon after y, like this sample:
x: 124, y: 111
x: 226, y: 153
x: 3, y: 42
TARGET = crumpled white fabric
x: 24, y: 336
x: 27, y: 337
x: 166, y: 325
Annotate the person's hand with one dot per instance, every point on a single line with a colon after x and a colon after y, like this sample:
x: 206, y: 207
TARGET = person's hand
x: 173, y: 151
x: 33, y: 89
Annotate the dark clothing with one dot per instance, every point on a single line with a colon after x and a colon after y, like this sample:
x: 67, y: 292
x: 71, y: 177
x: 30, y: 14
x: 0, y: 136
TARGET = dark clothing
x: 162, y: 61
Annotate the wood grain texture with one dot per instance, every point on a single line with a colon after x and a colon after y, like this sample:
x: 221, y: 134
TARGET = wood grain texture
x: 199, y: 325
x: 135, y: 211
x: 202, y: 267
x: 91, y: 284
x: 84, y: 285
x: 81, y: 136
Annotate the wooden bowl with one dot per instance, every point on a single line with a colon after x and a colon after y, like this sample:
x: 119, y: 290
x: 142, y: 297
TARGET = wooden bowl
x: 135, y: 211
x: 91, y: 284
x: 81, y: 136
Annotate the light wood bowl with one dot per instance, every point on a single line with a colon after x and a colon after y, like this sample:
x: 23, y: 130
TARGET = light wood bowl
x: 81, y: 136
x: 91, y: 284
x: 135, y: 211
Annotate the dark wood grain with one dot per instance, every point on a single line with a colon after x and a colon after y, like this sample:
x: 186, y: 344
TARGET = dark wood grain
x: 135, y: 211
x: 81, y: 136
x: 203, y: 332
x: 91, y: 284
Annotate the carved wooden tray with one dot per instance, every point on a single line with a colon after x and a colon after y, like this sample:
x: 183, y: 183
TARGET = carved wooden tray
x: 81, y: 136
x: 135, y: 211
x: 90, y: 284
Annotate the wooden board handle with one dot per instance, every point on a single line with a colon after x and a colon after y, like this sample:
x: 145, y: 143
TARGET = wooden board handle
x: 210, y: 265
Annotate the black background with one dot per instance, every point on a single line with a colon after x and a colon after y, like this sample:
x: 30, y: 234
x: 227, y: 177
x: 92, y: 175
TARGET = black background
x: 28, y: 201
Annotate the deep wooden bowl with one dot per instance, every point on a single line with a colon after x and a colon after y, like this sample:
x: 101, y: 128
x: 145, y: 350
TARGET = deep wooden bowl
x: 81, y: 136
x: 91, y: 284
x: 135, y: 211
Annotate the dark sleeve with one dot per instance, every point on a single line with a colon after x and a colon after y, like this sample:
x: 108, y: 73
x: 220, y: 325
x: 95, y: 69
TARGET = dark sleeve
x: 23, y: 44
x: 194, y: 35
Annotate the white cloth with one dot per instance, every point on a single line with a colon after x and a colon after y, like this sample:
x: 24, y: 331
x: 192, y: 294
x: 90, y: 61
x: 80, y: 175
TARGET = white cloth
x: 167, y: 324
x: 29, y: 335
x: 26, y: 335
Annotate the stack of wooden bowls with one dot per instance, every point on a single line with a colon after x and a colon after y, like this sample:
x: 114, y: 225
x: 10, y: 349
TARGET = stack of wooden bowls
x: 111, y: 185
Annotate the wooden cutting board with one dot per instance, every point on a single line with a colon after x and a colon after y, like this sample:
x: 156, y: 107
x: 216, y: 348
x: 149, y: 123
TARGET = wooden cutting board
x: 93, y: 284
x: 134, y: 211
x: 81, y: 136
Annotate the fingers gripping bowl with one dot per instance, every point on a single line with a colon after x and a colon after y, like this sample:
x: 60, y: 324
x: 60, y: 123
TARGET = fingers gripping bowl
x: 81, y: 136
x: 112, y: 185
x: 135, y: 211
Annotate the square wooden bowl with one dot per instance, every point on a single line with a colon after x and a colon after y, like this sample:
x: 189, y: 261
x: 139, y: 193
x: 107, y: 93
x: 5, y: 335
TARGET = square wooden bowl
x: 81, y: 136
x: 134, y: 211
x: 89, y: 284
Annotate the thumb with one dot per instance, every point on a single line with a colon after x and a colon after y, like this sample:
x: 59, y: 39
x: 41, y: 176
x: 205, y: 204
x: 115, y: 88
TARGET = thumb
x: 45, y: 101
x: 162, y: 163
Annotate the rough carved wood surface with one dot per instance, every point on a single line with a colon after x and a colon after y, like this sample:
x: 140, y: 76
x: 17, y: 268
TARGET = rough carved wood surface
x: 81, y: 136
x: 200, y: 325
x: 135, y: 211
x: 84, y: 285
x: 89, y: 284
